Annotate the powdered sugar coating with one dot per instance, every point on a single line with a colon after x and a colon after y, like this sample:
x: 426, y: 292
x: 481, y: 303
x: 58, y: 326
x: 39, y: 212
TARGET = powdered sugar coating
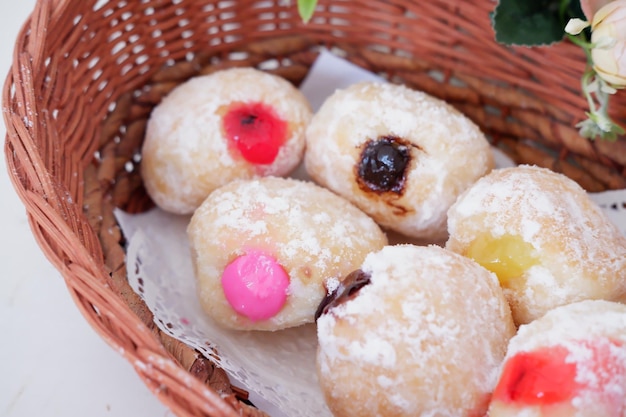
x: 185, y: 154
x: 425, y: 337
x: 577, y: 327
x: 450, y: 153
x: 582, y: 255
x: 315, y: 235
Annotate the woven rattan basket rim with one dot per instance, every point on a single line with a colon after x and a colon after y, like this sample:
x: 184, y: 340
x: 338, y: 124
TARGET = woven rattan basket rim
x: 85, y: 76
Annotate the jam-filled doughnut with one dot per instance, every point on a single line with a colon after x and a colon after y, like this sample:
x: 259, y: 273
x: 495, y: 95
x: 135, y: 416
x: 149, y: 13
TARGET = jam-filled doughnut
x: 571, y: 362
x: 540, y: 232
x: 237, y: 123
x: 416, y: 331
x: 264, y: 250
x: 400, y: 155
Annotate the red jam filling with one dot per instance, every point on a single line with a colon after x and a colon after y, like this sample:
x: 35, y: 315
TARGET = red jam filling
x: 541, y: 377
x: 255, y: 130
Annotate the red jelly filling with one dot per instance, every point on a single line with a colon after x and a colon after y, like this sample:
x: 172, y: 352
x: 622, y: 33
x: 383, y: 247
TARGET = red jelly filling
x: 255, y: 130
x: 541, y: 377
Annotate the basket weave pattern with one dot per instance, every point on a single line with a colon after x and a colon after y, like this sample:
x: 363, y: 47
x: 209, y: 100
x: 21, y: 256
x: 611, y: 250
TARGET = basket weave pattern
x: 86, y: 75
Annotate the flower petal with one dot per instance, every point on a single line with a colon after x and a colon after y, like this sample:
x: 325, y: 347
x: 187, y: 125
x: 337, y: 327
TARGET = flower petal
x: 590, y: 7
x: 612, y: 12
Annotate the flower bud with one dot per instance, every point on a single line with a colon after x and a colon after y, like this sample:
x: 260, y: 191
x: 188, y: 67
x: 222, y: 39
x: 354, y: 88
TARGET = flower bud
x: 575, y: 26
x: 608, y: 33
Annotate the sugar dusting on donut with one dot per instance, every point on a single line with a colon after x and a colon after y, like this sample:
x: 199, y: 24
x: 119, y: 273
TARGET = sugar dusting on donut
x: 409, y: 333
x: 574, y: 251
x: 575, y: 364
x: 447, y: 152
x: 314, y: 235
x: 236, y: 211
x: 188, y: 151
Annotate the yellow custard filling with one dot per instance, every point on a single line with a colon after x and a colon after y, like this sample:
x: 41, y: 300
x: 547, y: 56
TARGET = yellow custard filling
x: 508, y: 256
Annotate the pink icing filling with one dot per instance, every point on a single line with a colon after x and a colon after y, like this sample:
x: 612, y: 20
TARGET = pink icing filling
x: 255, y: 285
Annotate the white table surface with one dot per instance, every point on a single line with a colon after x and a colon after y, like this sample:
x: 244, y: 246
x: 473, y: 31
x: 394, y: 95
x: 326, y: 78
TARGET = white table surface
x: 52, y: 363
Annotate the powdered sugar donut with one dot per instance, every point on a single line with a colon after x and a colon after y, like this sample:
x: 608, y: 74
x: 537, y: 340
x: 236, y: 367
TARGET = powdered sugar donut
x: 547, y: 241
x: 570, y: 362
x: 233, y: 124
x: 417, y: 331
x: 400, y: 155
x: 264, y: 250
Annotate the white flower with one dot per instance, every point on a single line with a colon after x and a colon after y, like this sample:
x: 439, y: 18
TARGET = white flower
x: 608, y: 35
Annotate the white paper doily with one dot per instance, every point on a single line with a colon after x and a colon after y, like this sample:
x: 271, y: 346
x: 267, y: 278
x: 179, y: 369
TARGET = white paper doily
x: 277, y: 368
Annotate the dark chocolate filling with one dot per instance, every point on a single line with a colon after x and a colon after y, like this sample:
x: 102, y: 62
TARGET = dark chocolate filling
x: 347, y: 289
x: 383, y: 164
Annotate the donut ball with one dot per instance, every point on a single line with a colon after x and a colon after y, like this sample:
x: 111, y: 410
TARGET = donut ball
x: 265, y: 250
x: 569, y: 363
x: 238, y: 123
x: 400, y: 155
x: 416, y: 331
x: 547, y: 241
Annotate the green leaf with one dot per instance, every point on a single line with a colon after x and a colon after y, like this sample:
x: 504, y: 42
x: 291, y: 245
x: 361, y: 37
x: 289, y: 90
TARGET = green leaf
x: 528, y: 22
x: 306, y: 8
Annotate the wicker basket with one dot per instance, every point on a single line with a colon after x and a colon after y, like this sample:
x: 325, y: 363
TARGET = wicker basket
x: 86, y: 75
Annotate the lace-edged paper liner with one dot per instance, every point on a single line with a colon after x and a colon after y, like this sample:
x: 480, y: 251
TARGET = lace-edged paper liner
x: 277, y: 368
